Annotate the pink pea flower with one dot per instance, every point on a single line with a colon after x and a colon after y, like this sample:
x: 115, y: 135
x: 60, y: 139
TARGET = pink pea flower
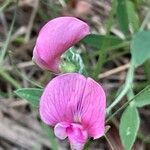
x: 57, y: 36
x: 75, y: 106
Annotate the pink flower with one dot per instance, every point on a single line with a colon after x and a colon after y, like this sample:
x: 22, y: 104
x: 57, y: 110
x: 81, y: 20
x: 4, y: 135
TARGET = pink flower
x: 75, y: 107
x: 57, y: 36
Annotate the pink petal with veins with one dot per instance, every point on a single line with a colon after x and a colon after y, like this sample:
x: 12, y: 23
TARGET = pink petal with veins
x: 75, y: 132
x: 77, y: 136
x: 92, y: 109
x: 76, y: 106
x: 60, y: 98
x: 57, y: 36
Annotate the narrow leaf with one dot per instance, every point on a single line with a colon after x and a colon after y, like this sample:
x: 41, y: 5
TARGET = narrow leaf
x: 127, y: 16
x: 132, y: 16
x: 129, y: 126
x: 96, y: 40
x: 32, y: 95
x: 140, y: 48
x: 122, y: 16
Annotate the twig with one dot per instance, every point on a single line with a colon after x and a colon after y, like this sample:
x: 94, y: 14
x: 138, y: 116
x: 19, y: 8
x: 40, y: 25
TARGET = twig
x: 19, y: 103
x: 107, y: 139
x: 118, y: 33
x: 21, y: 65
x: 22, y: 30
x: 62, y: 2
x: 9, y: 78
x: 113, y: 71
x: 4, y: 23
x: 4, y: 5
x: 30, y: 25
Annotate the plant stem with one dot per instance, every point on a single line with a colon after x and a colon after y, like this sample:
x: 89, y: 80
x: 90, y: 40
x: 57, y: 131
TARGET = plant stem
x: 7, y: 77
x: 100, y: 62
x: 146, y: 20
x: 122, y: 107
x: 87, y: 145
x: 4, y: 5
x: 116, y: 47
x: 107, y: 139
x: 128, y: 83
x: 117, y: 55
x: 111, y: 15
x: 103, y: 54
x: 126, y: 104
x: 4, y: 49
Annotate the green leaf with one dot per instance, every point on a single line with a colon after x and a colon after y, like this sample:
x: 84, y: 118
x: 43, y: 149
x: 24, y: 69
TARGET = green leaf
x: 127, y: 16
x: 96, y: 40
x: 122, y: 16
x: 137, y: 3
x: 140, y: 48
x: 129, y: 126
x: 132, y: 16
x: 142, y: 98
x: 32, y: 95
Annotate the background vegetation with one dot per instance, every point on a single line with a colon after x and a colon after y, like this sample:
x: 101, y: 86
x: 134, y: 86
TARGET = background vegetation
x: 117, y: 57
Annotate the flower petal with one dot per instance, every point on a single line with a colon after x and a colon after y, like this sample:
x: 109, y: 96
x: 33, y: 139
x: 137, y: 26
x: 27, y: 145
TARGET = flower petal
x: 77, y: 136
x: 57, y: 36
x: 92, y: 109
x: 60, y: 99
x: 60, y: 130
x: 38, y: 60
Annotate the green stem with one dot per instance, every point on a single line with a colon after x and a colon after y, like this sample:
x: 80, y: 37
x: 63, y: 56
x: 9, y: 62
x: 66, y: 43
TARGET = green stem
x: 124, y: 106
x: 121, y: 108
x: 116, y: 47
x: 100, y: 62
x: 121, y: 45
x: 128, y: 83
x: 23, y: 76
x: 4, y: 49
x: 111, y: 15
x: 146, y: 20
x: 117, y: 55
x: 103, y: 54
x: 7, y: 77
x: 87, y: 145
x: 116, y: 112
x: 4, y: 5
